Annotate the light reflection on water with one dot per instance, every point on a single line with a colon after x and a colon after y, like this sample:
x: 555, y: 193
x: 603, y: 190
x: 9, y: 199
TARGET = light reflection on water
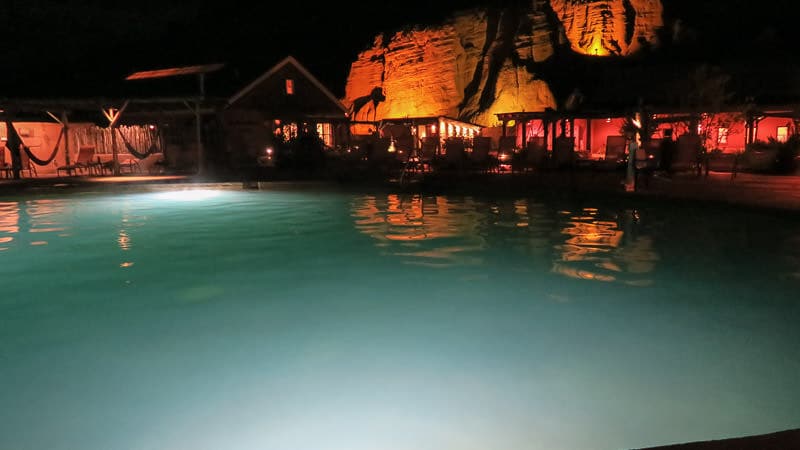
x: 398, y: 224
x: 252, y: 320
x: 455, y: 231
x: 37, y: 221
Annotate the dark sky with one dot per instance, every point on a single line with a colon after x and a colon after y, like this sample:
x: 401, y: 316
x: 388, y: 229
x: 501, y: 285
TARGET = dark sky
x: 71, y: 45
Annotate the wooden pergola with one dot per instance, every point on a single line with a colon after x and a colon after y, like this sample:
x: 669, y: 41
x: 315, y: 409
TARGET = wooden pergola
x: 113, y: 110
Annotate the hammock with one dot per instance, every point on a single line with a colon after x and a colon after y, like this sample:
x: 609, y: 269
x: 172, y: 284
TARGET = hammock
x: 153, y: 147
x: 44, y: 162
x: 31, y: 156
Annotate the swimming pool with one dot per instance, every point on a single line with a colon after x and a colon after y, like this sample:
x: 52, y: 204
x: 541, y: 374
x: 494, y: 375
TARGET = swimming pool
x: 314, y: 319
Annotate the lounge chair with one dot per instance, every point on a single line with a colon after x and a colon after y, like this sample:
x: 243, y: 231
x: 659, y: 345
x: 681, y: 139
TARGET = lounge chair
x: 84, y: 162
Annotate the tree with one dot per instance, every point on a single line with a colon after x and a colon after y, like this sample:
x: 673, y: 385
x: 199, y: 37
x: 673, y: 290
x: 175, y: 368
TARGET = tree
x: 709, y: 102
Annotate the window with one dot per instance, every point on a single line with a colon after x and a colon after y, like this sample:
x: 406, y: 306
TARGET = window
x: 722, y: 135
x: 289, y: 86
x: 324, y: 132
x: 783, y: 134
x: 288, y: 131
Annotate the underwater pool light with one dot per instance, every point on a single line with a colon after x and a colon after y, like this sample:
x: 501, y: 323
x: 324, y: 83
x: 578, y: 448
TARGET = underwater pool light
x: 188, y: 195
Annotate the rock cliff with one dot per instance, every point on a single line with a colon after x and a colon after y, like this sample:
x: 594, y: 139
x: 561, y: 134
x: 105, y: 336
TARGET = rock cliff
x: 483, y: 61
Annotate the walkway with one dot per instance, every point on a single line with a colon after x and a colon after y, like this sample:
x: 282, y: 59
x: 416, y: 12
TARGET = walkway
x: 767, y: 191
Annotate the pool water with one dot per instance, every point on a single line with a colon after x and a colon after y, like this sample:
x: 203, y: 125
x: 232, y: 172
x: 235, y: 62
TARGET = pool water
x: 313, y: 319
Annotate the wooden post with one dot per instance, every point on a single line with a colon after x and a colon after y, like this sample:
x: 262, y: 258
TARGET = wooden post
x: 199, y: 136
x: 546, y: 128
x: 524, y: 134
x: 589, y: 135
x: 199, y: 126
x: 114, y: 151
x: 113, y: 120
x: 14, y: 144
x: 65, y: 124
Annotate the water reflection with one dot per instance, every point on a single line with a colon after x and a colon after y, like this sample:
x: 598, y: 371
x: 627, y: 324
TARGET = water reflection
x: 427, y: 230
x: 39, y: 222
x: 601, y: 249
x: 31, y: 222
x: 124, y: 240
x: 585, y: 243
x: 129, y: 224
x: 9, y: 223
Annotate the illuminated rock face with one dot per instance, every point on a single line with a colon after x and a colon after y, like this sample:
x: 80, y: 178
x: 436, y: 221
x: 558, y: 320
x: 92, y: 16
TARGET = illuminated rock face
x: 482, y: 62
x: 421, y: 73
x: 608, y: 27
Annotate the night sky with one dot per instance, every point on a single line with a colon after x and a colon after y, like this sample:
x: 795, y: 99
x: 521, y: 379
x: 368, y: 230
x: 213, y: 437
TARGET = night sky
x: 53, y: 47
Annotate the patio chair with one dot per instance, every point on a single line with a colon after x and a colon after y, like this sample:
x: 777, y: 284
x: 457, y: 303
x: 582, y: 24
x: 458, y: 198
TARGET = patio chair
x: 688, y: 156
x: 563, y: 153
x: 84, y: 162
x: 719, y: 161
x: 616, y: 154
x: 508, y: 144
x: 481, y: 158
x: 647, y: 159
x: 454, y: 155
x: 5, y: 168
x: 25, y: 163
x: 426, y: 154
x: 534, y: 156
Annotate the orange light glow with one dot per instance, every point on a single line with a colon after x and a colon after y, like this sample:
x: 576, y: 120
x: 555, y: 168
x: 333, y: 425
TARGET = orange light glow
x: 594, y: 250
x: 174, y: 71
x: 123, y: 240
x: 596, y: 49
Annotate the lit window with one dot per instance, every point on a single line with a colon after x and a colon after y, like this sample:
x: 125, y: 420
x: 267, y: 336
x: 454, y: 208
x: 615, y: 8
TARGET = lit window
x: 722, y: 135
x: 289, y: 86
x: 324, y: 131
x: 782, y: 134
x: 289, y: 131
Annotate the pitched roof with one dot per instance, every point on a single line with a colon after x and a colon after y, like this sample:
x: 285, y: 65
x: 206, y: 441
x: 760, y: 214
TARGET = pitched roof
x: 277, y: 67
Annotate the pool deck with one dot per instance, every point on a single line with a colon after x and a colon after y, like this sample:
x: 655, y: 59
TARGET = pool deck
x: 765, y: 191
x: 768, y: 192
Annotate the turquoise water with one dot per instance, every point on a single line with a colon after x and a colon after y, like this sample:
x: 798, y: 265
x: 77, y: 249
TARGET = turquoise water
x: 304, y: 319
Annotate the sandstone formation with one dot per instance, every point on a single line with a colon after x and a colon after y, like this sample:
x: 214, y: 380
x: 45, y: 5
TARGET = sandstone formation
x: 608, y: 27
x: 481, y: 62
